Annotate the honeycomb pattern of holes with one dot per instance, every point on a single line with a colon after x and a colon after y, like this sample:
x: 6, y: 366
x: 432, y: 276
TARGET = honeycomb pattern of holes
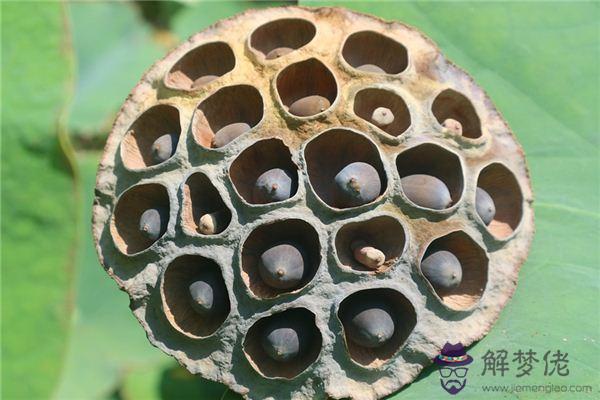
x: 433, y: 160
x: 125, y: 229
x: 201, y: 198
x: 158, y: 120
x: 228, y: 105
x: 372, y: 48
x: 304, y: 321
x: 294, y: 231
x: 383, y: 232
x: 500, y: 183
x: 292, y: 33
x: 368, y: 100
x: 474, y: 264
x: 176, y: 299
x: 306, y: 78
x: 209, y: 59
x: 258, y: 158
x: 450, y: 104
x: 403, y: 315
x: 334, y: 149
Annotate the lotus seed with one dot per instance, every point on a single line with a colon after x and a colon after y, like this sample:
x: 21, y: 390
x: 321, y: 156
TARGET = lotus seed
x: 382, y: 116
x: 369, y: 324
x: 284, y: 340
x: 442, y: 269
x: 229, y: 132
x: 278, y: 52
x: 212, y: 223
x: 282, y: 266
x: 485, y: 205
x: 356, y: 184
x: 153, y: 223
x: 368, y: 256
x: 452, y: 126
x: 426, y: 191
x: 202, y: 297
x: 309, y: 105
x: 164, y: 147
x: 273, y: 185
x: 371, y: 68
x: 203, y: 80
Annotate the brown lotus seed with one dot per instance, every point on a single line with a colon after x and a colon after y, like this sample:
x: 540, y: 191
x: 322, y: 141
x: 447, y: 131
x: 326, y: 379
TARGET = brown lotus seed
x: 229, y: 132
x: 382, y: 116
x: 278, y: 52
x: 452, y: 126
x: 309, y: 105
x: 426, y: 191
x: 203, y: 80
x: 368, y: 256
x: 371, y: 68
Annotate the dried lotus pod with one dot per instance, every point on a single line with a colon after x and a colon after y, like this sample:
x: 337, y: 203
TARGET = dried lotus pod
x: 324, y: 287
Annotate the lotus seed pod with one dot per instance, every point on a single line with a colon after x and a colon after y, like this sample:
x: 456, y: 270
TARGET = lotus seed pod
x: 273, y: 185
x: 210, y: 224
x: 442, y: 269
x: 153, y: 223
x: 278, y: 52
x: 314, y: 123
x: 282, y: 266
x: 164, y: 147
x: 356, y: 184
x: 229, y: 132
x: 281, y: 342
x: 203, y: 80
x: 485, y: 205
x: 382, y: 116
x: 426, y: 191
x: 369, y: 325
x: 368, y: 256
x: 309, y: 105
x: 452, y: 126
x: 371, y: 68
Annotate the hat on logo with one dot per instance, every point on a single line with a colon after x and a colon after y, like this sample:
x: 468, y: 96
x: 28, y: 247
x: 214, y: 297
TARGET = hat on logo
x: 453, y: 355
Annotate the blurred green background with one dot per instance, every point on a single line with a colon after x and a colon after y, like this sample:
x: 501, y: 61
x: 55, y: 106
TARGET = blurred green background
x: 67, y: 332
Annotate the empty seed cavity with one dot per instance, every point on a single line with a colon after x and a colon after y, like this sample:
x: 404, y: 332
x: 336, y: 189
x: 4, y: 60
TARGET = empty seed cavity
x: 284, y: 344
x: 194, y: 295
x: 203, y: 211
x: 227, y: 114
x: 200, y: 66
x: 431, y: 177
x: 306, y: 88
x: 280, y: 257
x: 456, y: 267
x: 345, y: 168
x: 282, y: 36
x: 373, y: 52
x: 265, y: 173
x: 503, y: 195
x: 455, y: 112
x: 152, y: 138
x: 140, y: 218
x: 371, y: 245
x: 376, y: 323
x: 384, y: 109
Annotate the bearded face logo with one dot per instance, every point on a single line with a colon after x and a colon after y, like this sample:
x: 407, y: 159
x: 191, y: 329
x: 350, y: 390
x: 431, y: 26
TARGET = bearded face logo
x: 453, y: 371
